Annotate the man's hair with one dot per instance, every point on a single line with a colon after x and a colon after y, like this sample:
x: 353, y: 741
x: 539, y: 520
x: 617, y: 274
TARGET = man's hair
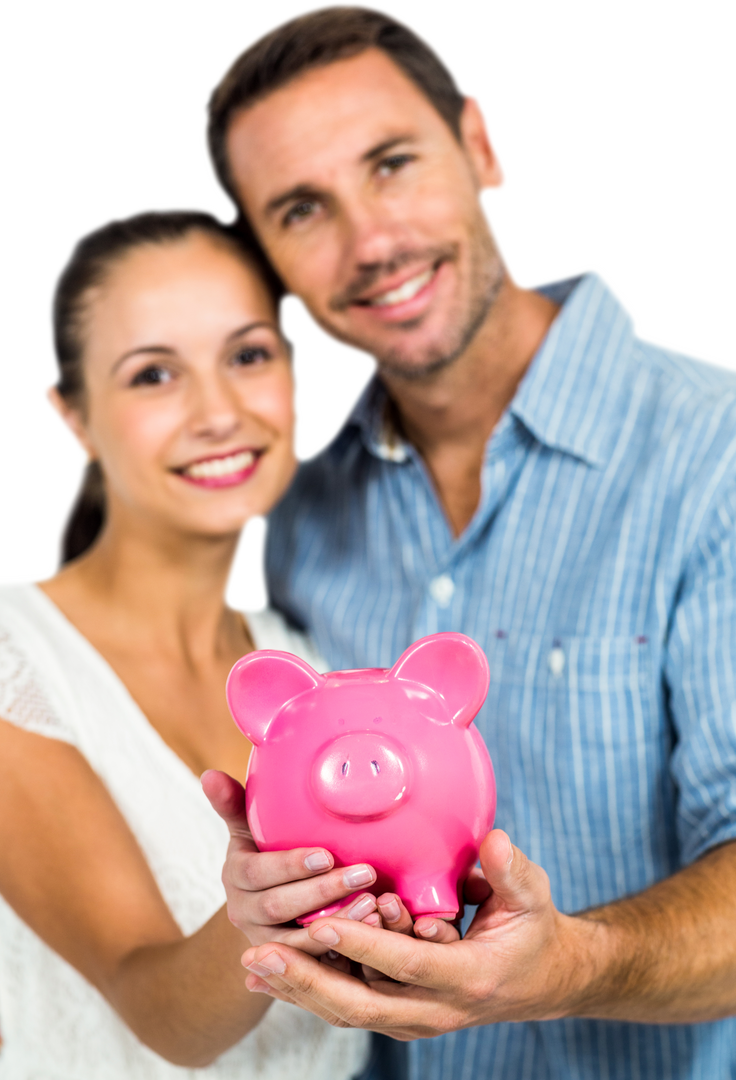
x: 316, y: 40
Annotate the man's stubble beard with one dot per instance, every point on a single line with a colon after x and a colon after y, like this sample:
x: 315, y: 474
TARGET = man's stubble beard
x: 487, y: 275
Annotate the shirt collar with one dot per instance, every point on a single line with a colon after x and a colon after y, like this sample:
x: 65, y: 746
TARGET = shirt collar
x: 570, y: 396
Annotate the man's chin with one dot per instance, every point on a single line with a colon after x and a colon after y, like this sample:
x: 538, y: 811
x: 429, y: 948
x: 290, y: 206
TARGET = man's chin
x: 409, y: 369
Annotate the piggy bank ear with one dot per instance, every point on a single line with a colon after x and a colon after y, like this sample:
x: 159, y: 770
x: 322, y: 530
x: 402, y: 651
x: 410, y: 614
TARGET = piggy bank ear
x: 453, y: 666
x: 261, y: 683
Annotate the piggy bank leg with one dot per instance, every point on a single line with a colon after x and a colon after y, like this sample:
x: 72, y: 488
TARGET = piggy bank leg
x: 436, y: 897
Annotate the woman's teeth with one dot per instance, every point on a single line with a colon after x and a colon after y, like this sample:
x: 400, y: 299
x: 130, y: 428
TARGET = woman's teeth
x: 206, y: 470
x: 404, y: 292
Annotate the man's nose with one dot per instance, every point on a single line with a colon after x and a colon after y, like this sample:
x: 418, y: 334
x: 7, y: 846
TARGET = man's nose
x: 372, y: 234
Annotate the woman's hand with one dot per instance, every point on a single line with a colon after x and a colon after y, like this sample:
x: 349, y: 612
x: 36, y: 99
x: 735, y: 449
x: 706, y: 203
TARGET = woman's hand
x: 267, y: 890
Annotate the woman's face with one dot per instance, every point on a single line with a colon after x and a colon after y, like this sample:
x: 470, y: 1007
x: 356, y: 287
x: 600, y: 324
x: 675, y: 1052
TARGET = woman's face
x: 188, y: 384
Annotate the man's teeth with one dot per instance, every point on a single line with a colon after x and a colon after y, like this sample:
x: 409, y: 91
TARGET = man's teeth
x: 205, y: 470
x: 404, y: 292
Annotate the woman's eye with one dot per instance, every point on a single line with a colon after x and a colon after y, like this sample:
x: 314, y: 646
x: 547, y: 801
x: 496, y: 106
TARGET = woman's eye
x: 251, y: 354
x: 151, y: 376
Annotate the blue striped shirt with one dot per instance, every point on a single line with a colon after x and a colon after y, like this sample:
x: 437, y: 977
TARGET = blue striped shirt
x: 598, y: 576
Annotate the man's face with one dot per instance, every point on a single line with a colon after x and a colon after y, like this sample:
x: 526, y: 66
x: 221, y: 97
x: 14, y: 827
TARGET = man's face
x: 368, y: 207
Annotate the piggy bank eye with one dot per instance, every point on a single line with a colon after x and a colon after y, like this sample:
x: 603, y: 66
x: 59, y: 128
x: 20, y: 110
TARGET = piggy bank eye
x: 345, y: 768
x: 375, y: 768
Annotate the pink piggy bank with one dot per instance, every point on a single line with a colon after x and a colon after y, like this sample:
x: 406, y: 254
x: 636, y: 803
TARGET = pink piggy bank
x: 377, y: 766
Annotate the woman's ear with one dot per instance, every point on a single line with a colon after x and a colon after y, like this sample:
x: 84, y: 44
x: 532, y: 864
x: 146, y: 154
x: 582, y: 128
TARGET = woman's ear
x: 73, y: 419
x: 478, y: 147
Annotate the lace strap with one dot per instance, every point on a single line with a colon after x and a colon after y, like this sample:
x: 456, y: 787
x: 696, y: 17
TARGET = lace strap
x: 23, y: 701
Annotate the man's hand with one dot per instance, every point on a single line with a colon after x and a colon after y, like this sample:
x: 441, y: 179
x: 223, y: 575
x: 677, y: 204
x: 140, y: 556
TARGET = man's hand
x: 268, y: 890
x: 666, y: 955
x: 521, y: 960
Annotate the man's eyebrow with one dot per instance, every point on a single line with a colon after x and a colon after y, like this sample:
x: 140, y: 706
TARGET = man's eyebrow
x: 166, y: 350
x: 308, y: 191
x: 387, y: 144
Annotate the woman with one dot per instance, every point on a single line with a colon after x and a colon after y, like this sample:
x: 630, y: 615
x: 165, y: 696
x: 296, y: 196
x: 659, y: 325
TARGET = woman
x: 116, y: 955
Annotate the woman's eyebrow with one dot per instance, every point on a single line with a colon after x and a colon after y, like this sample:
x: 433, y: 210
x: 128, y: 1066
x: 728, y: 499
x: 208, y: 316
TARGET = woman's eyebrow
x: 166, y: 350
x: 160, y: 350
x: 251, y: 326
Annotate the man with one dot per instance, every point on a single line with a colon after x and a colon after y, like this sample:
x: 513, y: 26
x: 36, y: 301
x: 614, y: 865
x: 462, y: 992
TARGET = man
x: 525, y: 471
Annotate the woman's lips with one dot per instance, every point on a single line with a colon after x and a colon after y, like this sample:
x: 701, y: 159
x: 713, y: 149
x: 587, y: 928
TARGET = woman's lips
x: 219, y: 472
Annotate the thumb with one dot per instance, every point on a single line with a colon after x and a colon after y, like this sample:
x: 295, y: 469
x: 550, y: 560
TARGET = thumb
x: 516, y: 881
x: 227, y: 798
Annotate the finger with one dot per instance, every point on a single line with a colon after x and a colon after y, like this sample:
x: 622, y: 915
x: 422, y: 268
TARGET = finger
x: 334, y: 960
x: 476, y: 889
x: 436, y: 930
x: 284, y: 903
x: 370, y: 974
x: 404, y: 959
x: 227, y: 798
x: 255, y: 871
x: 394, y: 914
x: 401, y: 1011
x: 363, y: 909
x: 518, y: 883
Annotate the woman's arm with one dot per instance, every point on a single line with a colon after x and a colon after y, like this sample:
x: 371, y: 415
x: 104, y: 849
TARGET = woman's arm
x: 72, y: 870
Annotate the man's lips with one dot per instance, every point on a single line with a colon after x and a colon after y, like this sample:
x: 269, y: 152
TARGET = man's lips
x: 225, y: 470
x: 399, y: 294
x: 406, y: 301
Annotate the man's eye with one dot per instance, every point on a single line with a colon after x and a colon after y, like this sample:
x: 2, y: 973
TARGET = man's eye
x: 300, y: 211
x: 251, y: 354
x: 393, y: 163
x: 151, y: 376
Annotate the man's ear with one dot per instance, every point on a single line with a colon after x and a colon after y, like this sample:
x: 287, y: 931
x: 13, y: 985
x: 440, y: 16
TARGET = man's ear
x: 478, y: 147
x: 73, y: 419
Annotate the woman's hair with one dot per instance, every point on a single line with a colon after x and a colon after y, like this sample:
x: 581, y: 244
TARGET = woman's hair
x: 91, y: 262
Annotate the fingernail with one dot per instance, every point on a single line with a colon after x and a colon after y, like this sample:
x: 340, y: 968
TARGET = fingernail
x: 318, y: 860
x: 365, y: 905
x: 356, y: 876
x: 390, y: 910
x: 326, y: 935
x: 510, y: 856
x: 268, y: 965
x: 372, y: 920
x: 332, y: 955
x: 428, y: 931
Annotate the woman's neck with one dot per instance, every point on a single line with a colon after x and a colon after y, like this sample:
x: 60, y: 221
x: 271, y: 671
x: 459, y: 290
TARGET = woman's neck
x: 164, y: 592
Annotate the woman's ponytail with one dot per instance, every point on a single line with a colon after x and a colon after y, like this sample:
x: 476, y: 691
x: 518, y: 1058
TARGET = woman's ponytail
x: 87, y: 515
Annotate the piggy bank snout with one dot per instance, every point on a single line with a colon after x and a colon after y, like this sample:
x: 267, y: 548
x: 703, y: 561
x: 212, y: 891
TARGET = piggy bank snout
x: 361, y: 776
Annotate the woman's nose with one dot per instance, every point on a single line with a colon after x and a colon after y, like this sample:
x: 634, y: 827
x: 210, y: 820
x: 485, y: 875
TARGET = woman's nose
x: 216, y: 412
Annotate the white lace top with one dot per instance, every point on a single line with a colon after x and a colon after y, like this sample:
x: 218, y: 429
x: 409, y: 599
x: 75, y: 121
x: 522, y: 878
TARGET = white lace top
x: 54, y: 1024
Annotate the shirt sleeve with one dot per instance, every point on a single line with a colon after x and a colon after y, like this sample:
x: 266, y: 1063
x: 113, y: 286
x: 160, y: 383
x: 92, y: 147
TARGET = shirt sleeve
x: 23, y: 698
x: 701, y: 679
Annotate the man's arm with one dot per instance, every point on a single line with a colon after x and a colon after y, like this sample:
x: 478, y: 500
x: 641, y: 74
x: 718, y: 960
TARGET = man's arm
x: 667, y: 955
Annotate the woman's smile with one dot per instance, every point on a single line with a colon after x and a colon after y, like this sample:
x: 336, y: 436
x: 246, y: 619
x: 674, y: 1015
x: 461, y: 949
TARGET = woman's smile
x: 222, y: 470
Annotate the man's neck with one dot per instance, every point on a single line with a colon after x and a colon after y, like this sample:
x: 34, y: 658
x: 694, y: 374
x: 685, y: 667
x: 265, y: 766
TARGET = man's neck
x: 450, y: 416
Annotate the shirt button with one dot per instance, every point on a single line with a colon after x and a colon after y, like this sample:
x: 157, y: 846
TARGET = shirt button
x: 556, y: 661
x: 442, y: 589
